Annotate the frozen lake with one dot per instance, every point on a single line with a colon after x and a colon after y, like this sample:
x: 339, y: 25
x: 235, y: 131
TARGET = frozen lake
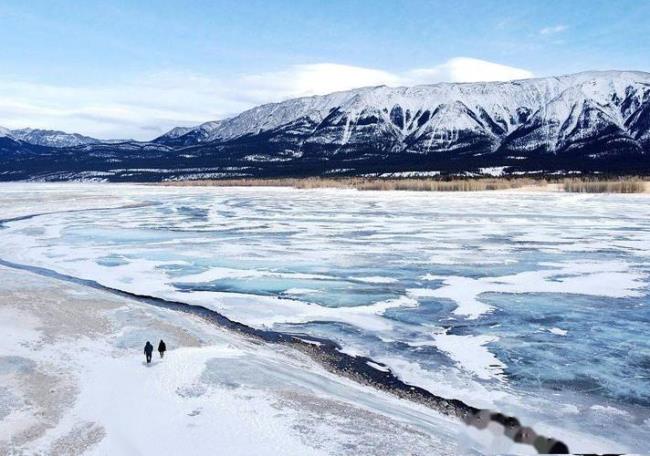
x: 534, y: 304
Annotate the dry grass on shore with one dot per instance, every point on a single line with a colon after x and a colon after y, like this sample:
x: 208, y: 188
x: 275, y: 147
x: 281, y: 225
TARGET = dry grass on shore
x: 574, y: 185
x: 428, y: 185
x: 457, y: 185
x: 628, y: 185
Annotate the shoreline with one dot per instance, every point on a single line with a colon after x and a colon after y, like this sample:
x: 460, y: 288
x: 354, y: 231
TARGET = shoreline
x: 74, y: 368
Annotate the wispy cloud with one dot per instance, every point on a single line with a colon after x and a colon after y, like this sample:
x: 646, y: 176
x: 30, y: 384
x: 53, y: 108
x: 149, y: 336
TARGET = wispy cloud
x: 148, y: 106
x: 552, y: 30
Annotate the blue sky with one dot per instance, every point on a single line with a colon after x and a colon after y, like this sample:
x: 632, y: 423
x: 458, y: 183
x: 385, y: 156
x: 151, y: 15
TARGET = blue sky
x: 126, y: 68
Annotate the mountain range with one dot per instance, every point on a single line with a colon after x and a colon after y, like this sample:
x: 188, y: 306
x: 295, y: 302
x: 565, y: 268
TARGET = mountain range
x: 591, y: 122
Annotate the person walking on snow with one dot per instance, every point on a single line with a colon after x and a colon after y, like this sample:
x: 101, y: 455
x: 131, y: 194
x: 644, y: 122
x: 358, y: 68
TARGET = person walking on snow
x: 162, y: 348
x: 148, y: 350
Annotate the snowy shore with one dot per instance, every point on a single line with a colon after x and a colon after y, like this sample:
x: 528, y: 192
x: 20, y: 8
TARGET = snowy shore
x: 75, y: 382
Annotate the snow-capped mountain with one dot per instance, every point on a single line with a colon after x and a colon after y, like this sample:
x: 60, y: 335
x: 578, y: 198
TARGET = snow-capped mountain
x: 550, y: 114
x: 586, y: 122
x: 50, y: 138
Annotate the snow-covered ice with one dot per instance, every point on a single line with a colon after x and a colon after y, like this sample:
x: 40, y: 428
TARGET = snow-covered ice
x: 533, y: 304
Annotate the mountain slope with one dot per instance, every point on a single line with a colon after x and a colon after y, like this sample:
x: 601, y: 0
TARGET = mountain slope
x: 587, y: 122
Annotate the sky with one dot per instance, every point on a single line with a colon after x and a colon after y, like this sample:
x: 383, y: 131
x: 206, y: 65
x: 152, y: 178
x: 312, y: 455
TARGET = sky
x: 135, y: 69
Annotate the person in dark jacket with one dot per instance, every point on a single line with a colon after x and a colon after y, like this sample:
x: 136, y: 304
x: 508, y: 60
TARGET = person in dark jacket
x: 148, y: 350
x: 162, y: 348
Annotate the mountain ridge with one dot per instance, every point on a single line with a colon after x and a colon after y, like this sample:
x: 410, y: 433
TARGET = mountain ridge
x: 453, y: 117
x: 585, y: 122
